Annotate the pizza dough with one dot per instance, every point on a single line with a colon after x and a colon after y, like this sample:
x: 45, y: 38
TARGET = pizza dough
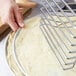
x: 34, y: 53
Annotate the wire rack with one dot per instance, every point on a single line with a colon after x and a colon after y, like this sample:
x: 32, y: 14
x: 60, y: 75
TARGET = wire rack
x: 58, y: 26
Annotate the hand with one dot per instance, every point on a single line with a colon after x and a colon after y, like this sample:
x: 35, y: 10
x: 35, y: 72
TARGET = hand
x: 11, y: 14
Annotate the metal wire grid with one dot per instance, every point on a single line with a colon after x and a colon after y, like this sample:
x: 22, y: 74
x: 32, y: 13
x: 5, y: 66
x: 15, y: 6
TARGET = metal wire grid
x: 61, y: 40
x: 51, y: 28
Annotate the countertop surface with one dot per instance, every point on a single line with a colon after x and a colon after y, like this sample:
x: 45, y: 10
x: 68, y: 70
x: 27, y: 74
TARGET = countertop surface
x: 4, y: 68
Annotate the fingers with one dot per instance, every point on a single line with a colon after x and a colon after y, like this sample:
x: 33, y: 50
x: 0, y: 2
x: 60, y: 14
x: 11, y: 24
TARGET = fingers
x: 13, y: 16
x: 21, y: 10
x: 18, y: 16
x: 12, y: 23
x: 27, y: 4
x: 13, y: 26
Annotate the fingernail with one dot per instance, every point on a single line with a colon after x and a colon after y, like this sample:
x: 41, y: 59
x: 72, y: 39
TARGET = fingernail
x: 22, y: 25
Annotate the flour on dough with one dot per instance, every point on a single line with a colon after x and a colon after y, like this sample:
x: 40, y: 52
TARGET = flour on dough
x: 34, y: 53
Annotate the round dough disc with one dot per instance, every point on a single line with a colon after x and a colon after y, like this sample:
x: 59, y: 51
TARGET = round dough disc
x: 34, y: 53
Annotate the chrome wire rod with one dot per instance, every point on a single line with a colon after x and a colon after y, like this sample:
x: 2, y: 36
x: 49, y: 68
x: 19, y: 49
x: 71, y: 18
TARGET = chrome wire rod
x: 43, y: 29
x: 70, y: 42
x: 50, y: 28
x: 61, y: 40
x: 55, y: 13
